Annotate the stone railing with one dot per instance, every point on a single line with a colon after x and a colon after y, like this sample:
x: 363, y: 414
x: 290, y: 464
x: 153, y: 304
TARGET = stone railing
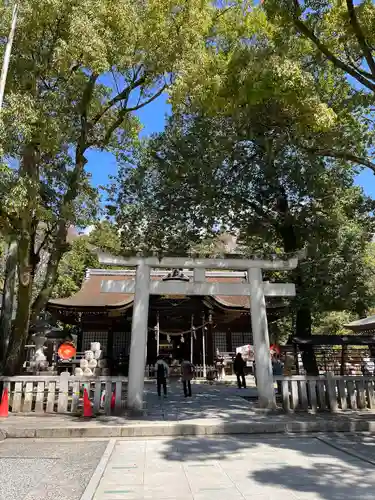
x: 327, y: 393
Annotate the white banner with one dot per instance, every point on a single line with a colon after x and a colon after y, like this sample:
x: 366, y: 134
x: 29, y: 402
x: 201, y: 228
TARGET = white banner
x: 247, y: 352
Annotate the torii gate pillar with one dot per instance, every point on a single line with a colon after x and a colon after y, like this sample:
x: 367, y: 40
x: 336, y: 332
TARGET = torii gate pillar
x: 138, y: 343
x: 259, y: 325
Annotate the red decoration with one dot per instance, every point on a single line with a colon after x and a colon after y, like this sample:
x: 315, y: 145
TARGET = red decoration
x: 4, y: 406
x: 87, y: 408
x: 67, y: 350
x: 275, y: 349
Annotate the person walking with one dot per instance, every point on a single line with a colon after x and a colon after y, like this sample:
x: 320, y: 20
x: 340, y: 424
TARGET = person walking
x: 187, y: 373
x: 239, y: 370
x: 162, y: 372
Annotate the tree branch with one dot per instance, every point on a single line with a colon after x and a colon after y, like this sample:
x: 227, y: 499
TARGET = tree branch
x: 46, y: 236
x: 343, y: 155
x: 122, y: 96
x: 124, y: 111
x: 12, y: 222
x: 145, y: 103
x: 302, y: 28
x: 361, y: 37
x: 353, y: 64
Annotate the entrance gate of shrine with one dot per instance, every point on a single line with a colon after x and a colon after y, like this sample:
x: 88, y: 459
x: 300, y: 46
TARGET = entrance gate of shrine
x: 256, y: 288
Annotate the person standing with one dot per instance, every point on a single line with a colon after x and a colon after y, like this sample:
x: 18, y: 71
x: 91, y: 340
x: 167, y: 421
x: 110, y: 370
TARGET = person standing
x: 187, y: 373
x: 239, y: 370
x: 162, y: 371
x: 277, y: 371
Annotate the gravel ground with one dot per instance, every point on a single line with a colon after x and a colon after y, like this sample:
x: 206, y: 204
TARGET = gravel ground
x: 44, y: 470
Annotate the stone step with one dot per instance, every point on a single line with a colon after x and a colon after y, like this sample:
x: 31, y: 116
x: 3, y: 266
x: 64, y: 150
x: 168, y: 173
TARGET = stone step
x: 102, y: 429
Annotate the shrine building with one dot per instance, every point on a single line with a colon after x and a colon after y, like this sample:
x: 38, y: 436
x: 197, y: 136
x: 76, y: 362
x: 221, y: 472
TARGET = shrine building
x: 178, y: 326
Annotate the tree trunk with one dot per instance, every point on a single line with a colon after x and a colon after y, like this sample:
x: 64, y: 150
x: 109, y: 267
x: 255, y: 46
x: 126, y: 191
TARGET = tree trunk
x: 20, y: 330
x: 303, y: 329
x: 60, y: 247
x: 27, y: 261
x: 8, y: 300
x: 303, y: 313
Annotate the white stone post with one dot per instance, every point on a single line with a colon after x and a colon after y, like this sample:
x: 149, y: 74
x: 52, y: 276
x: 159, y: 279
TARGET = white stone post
x: 263, y: 365
x: 139, y: 338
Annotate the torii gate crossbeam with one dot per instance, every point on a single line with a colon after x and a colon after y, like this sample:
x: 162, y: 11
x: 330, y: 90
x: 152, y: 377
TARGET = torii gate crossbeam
x: 256, y: 288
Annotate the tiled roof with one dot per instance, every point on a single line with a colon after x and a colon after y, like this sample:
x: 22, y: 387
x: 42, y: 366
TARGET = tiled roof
x: 91, y: 296
x: 364, y: 324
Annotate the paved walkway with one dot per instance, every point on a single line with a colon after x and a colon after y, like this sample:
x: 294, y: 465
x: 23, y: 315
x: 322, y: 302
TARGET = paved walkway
x: 320, y: 467
x: 181, y: 463
x: 238, y: 468
x: 214, y: 402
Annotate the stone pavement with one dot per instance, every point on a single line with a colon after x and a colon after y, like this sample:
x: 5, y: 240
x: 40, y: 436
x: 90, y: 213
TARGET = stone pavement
x: 211, y: 410
x: 238, y: 468
x: 314, y: 467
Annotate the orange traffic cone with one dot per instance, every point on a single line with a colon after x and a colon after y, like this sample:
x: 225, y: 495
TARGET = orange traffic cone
x: 87, y: 409
x: 4, y: 411
x: 113, y: 400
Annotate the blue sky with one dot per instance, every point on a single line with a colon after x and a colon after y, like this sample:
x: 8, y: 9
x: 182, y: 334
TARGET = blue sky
x: 102, y: 165
x: 152, y: 116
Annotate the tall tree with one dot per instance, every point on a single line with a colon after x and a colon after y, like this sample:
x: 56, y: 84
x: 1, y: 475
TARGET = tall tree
x: 254, y: 176
x: 340, y: 33
x: 244, y: 149
x: 79, y: 71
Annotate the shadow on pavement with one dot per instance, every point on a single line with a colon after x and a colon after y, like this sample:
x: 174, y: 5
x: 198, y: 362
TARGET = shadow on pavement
x: 329, y: 467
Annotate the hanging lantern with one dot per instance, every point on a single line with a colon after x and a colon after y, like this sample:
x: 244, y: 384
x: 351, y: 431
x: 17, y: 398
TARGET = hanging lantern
x: 182, y: 339
x: 168, y: 339
x: 67, y: 350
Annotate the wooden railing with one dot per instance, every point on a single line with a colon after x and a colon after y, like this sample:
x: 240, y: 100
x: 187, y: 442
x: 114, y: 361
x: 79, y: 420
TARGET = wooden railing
x: 330, y: 393
x: 46, y: 394
x: 64, y: 394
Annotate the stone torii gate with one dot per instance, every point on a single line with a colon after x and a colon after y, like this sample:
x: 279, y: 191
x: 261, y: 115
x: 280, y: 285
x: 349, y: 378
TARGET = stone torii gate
x: 143, y: 287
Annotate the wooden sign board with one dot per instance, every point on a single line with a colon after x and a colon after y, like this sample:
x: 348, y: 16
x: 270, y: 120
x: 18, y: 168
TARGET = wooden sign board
x: 173, y: 296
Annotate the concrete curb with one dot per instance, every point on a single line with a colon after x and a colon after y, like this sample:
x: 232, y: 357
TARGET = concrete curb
x: 197, y: 429
x: 99, y: 471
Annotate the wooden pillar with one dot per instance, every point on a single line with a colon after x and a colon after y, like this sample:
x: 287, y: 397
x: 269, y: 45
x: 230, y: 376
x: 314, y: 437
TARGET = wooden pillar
x: 197, y: 346
x: 296, y: 358
x: 210, y: 340
x: 204, y: 345
x: 229, y: 340
x: 192, y: 338
x: 110, y: 346
x: 80, y: 338
x: 157, y: 334
x: 342, y: 367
